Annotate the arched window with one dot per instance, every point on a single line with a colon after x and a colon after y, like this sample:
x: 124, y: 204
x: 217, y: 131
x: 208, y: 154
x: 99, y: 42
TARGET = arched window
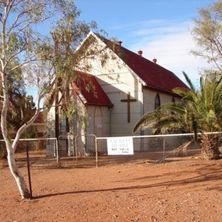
x: 157, y: 101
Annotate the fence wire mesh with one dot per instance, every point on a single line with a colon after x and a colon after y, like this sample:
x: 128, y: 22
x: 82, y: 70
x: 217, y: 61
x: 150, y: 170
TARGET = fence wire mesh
x: 89, y: 151
x: 153, y: 148
x: 37, y: 149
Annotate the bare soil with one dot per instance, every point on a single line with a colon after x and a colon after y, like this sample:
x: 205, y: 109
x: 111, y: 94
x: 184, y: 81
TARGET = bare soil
x: 120, y: 189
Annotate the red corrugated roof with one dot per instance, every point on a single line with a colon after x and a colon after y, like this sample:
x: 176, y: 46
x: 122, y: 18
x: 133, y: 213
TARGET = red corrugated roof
x: 88, y: 86
x: 155, y: 76
x: 41, y: 118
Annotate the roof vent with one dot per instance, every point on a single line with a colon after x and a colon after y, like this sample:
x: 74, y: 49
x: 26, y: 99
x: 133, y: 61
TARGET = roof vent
x: 154, y: 60
x: 140, y: 52
x: 119, y: 43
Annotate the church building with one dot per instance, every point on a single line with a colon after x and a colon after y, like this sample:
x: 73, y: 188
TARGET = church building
x: 123, y: 87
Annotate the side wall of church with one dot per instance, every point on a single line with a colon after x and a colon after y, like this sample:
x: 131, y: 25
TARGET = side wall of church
x: 149, y: 99
x: 50, y: 147
x: 77, y: 124
x: 98, y: 124
x: 149, y: 106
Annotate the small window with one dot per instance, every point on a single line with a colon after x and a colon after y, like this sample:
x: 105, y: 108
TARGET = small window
x: 157, y: 101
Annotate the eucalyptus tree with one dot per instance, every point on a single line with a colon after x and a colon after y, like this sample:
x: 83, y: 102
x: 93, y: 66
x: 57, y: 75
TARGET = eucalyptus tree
x: 198, y: 111
x: 207, y: 32
x: 25, y: 37
x: 67, y: 36
x: 22, y: 105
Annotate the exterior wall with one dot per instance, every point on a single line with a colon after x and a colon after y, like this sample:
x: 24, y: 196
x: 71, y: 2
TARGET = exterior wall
x: 78, y: 128
x: 149, y: 99
x: 117, y: 80
x: 87, y: 120
x: 50, y: 147
x: 75, y: 126
x: 62, y: 142
x: 99, y: 125
x: 149, y: 104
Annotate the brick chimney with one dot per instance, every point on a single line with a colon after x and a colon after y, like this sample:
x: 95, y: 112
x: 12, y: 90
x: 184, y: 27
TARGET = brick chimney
x: 140, y: 52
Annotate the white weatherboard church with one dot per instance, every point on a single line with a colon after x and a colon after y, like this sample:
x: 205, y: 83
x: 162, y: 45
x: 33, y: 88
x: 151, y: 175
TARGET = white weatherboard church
x: 125, y: 86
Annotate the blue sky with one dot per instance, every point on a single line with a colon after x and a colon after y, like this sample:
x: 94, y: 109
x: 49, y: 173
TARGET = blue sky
x: 161, y: 28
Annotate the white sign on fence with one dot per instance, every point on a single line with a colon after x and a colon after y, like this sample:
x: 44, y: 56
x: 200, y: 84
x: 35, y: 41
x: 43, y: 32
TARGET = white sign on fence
x: 120, y: 146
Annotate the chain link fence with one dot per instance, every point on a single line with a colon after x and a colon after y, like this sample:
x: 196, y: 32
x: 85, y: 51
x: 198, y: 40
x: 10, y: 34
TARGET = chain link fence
x: 91, y: 151
x: 37, y: 151
x: 151, y: 148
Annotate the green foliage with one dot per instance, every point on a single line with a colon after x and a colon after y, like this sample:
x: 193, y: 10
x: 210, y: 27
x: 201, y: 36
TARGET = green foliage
x: 198, y: 111
x: 67, y: 36
x: 21, y: 110
x: 21, y: 106
x: 39, y: 58
x: 30, y: 57
x: 208, y: 34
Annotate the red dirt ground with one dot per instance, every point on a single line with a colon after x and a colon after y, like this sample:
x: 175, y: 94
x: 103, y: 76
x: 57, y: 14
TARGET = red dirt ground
x: 183, y: 189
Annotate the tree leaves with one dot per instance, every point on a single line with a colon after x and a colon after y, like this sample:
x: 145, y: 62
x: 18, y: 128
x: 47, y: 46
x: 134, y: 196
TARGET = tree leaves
x: 208, y: 34
x: 199, y: 110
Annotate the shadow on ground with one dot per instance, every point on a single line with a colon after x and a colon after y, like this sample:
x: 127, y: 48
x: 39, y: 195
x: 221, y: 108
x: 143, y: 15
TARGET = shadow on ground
x: 205, y: 174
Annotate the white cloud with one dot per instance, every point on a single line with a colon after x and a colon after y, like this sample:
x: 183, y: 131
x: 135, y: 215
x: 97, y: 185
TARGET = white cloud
x: 133, y: 25
x: 171, y: 43
x: 160, y: 27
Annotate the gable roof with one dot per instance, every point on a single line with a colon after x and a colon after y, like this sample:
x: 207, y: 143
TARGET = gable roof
x: 155, y: 76
x: 89, y: 90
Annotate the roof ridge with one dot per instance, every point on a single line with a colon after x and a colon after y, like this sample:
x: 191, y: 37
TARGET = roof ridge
x: 140, y: 57
x: 151, y: 74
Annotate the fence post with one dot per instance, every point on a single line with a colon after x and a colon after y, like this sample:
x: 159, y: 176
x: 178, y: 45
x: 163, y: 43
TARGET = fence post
x: 96, y: 150
x: 57, y: 154
x: 55, y: 149
x: 29, y: 173
x: 76, y: 149
x: 164, y: 149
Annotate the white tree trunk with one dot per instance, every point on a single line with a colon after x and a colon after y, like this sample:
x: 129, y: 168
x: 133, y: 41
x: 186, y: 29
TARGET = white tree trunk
x: 12, y: 23
x: 11, y: 147
x: 24, y: 192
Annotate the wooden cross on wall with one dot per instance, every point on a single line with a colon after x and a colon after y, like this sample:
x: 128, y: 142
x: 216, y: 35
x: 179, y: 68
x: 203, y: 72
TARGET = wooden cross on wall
x: 128, y: 100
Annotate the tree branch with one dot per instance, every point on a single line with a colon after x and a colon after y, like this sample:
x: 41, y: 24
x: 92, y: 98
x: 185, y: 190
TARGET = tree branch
x: 23, y: 64
x: 26, y: 125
